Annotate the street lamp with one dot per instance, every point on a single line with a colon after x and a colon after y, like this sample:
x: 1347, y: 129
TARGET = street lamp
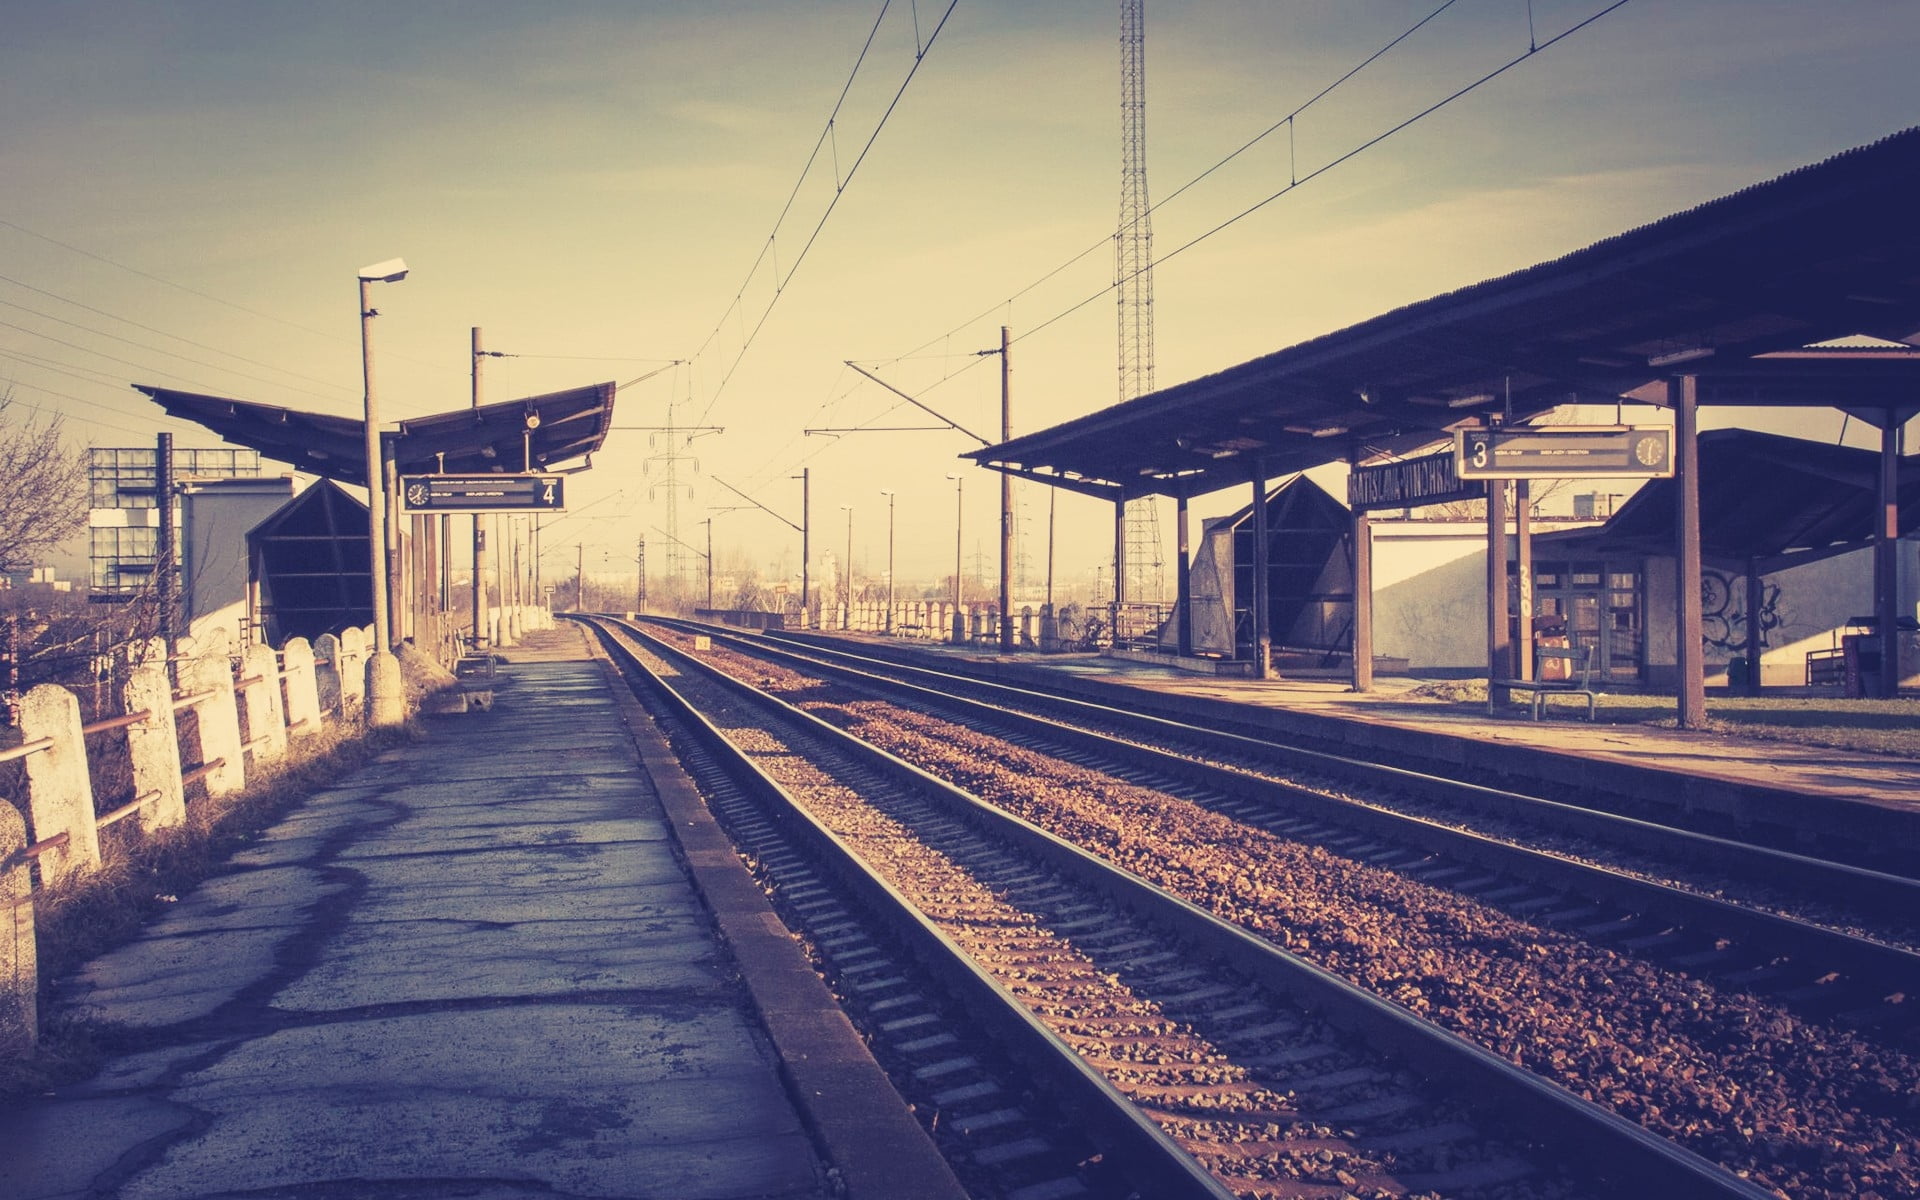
x: 386, y: 698
x: 889, y: 496
x: 959, y: 617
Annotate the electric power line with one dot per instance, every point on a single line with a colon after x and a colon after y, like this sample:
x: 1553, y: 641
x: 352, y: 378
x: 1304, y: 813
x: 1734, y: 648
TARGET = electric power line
x: 199, y: 362
x: 827, y: 138
x: 1295, y: 179
x: 163, y: 333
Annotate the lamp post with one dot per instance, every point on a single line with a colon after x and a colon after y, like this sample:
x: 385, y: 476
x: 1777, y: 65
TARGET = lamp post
x: 889, y: 496
x: 386, y: 697
x: 959, y: 617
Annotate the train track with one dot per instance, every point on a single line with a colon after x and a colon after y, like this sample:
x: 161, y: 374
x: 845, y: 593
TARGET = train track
x: 1722, y: 888
x: 1753, y: 851
x: 1825, y: 1038
x: 1158, y: 1024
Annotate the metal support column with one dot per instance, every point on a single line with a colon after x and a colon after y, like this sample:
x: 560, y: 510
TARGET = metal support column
x: 1689, y: 649
x: 1362, y: 602
x: 1499, y: 645
x: 1886, y: 556
x: 1182, y: 580
x: 1523, y: 578
x: 1262, y: 650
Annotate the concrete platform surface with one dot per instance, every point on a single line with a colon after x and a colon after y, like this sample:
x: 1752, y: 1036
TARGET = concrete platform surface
x: 476, y: 968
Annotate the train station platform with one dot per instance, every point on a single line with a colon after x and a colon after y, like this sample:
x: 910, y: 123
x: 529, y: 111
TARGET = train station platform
x: 503, y: 960
x: 1717, y: 780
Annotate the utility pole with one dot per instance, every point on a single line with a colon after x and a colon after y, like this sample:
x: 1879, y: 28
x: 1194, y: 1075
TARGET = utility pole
x: 1006, y: 498
x: 580, y: 578
x: 890, y: 498
x: 806, y: 536
x: 846, y: 574
x: 959, y: 517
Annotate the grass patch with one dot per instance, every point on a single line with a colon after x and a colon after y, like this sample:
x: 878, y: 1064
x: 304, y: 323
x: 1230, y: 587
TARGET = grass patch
x: 85, y: 916
x: 1865, y: 726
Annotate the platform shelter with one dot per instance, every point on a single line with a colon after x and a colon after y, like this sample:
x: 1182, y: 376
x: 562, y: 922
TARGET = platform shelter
x: 531, y: 434
x: 1728, y: 303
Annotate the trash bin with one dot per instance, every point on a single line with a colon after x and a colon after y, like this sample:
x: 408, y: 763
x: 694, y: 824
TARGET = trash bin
x: 1550, y: 633
x: 1862, y: 654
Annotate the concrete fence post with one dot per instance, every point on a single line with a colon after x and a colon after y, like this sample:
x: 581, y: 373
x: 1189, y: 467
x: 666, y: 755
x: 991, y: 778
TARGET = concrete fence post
x: 302, y: 691
x: 352, y: 669
x: 59, y: 791
x: 153, y: 745
x: 266, y: 721
x: 218, y: 723
x: 328, y: 688
x: 19, y: 961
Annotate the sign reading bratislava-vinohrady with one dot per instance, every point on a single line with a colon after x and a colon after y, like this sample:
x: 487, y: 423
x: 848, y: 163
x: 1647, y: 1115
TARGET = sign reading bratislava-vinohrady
x: 1564, y: 451
x: 1409, y: 483
x: 482, y: 493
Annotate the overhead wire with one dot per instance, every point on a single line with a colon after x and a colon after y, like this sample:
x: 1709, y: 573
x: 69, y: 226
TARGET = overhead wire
x: 813, y: 156
x: 114, y: 337
x: 163, y: 333
x: 100, y: 258
x: 840, y: 186
x: 5, y: 395
x: 1295, y: 179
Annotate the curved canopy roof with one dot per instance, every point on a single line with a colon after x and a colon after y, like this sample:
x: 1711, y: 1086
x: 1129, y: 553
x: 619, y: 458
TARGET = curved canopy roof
x: 1824, y: 252
x: 467, y: 441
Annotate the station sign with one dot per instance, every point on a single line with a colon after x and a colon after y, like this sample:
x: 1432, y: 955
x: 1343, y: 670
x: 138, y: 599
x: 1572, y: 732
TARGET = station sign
x: 482, y: 493
x: 1564, y: 451
x: 1410, y: 483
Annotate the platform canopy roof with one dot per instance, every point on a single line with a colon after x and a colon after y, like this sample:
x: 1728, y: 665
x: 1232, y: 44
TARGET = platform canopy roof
x: 544, y: 431
x: 1822, y: 253
x: 1765, y: 499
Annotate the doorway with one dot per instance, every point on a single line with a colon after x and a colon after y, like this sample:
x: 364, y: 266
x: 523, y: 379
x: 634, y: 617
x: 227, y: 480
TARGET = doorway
x: 1603, y: 604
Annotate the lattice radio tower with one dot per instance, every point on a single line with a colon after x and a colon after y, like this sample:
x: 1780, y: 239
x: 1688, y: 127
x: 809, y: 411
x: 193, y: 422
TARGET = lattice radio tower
x: 1133, y: 278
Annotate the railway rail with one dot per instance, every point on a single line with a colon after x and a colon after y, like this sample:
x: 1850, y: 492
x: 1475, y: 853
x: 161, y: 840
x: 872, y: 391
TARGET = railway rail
x: 1278, y: 1076
x: 1648, y: 1013
x: 1741, y: 906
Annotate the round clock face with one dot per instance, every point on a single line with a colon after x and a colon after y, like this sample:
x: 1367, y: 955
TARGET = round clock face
x: 1648, y: 451
x: 416, y: 493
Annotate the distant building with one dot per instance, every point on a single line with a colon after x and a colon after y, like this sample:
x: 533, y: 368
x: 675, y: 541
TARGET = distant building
x: 123, y: 518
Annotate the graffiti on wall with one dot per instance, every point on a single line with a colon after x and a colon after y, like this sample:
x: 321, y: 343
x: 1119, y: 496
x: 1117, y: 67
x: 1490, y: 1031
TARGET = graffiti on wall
x: 1723, y: 625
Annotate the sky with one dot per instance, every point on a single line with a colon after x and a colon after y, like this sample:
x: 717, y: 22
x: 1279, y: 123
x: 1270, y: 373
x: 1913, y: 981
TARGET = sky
x: 711, y: 204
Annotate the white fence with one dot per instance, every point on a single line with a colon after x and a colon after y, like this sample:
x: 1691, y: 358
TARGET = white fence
x: 282, y: 696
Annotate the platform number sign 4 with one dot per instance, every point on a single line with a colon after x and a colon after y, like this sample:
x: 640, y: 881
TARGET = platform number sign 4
x: 484, y: 493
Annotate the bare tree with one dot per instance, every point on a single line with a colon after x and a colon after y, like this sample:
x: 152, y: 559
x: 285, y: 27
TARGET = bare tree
x: 43, y: 488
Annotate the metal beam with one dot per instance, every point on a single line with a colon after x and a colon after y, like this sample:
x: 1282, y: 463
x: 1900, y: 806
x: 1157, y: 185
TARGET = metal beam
x: 1689, y: 651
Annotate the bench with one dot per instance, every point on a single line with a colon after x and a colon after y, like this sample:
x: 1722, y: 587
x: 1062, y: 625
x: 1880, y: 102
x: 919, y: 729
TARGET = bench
x: 1578, y: 681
